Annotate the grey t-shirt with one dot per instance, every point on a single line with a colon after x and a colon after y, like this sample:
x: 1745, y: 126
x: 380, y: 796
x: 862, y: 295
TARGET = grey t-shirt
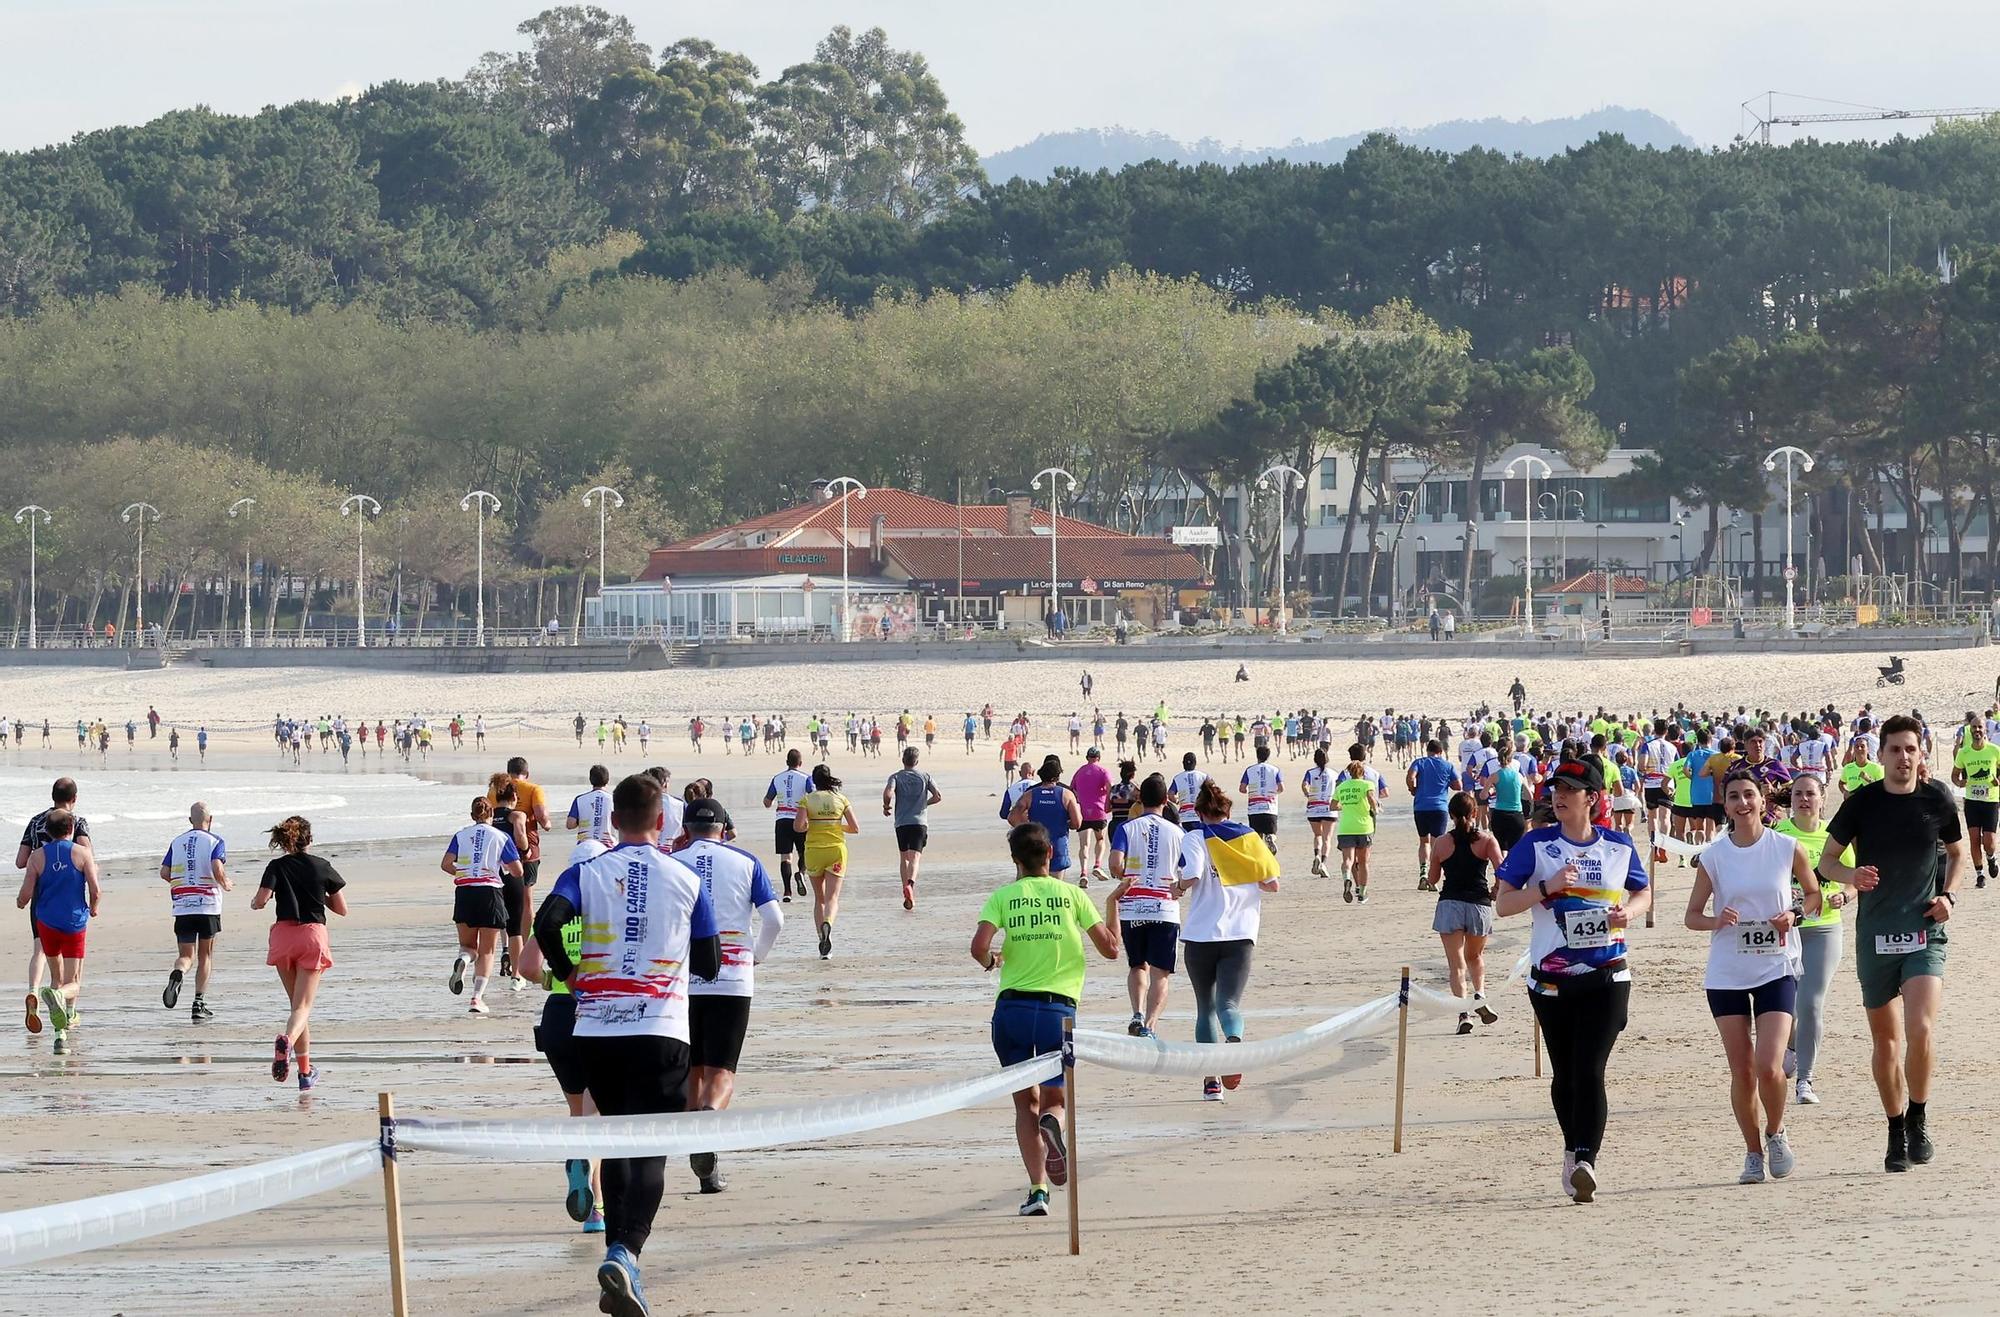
x: 913, y: 796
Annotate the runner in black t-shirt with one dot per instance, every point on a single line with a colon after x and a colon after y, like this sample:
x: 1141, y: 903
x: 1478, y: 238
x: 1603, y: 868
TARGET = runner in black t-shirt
x: 1898, y: 827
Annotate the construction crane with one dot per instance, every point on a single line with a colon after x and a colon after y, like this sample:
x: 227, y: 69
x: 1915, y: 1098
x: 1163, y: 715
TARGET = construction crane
x: 1764, y: 121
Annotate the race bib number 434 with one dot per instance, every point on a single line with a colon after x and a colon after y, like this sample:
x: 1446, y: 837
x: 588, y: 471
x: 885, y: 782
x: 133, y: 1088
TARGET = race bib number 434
x: 1901, y: 944
x: 1588, y: 929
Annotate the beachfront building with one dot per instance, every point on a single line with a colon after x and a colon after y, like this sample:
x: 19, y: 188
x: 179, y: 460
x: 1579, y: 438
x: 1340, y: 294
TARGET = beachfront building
x: 911, y: 564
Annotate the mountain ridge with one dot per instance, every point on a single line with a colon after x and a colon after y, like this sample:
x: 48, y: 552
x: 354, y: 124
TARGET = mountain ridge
x: 1116, y: 147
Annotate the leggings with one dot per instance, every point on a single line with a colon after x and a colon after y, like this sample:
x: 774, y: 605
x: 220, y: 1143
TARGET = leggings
x: 634, y: 1075
x: 1822, y: 956
x: 1580, y: 1029
x: 1218, y: 972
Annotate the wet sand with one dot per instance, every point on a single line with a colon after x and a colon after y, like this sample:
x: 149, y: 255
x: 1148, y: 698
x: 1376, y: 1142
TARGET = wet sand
x: 1286, y: 1194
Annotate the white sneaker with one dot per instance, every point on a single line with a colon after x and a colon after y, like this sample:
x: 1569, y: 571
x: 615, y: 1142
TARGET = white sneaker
x: 1778, y: 1152
x: 478, y: 1007
x: 1583, y: 1182
x: 1802, y: 1093
x: 1569, y: 1168
x: 1753, y: 1169
x: 517, y: 983
x: 1791, y: 1062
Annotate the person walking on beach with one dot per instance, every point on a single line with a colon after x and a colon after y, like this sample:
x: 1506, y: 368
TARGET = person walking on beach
x: 1911, y: 851
x: 305, y: 887
x: 825, y: 820
x: 907, y: 797
x: 646, y: 927
x: 1041, y: 923
x: 1146, y: 858
x: 1583, y: 886
x: 739, y: 893
x: 195, y: 873
x: 61, y: 894
x: 1753, y: 963
x: 476, y: 857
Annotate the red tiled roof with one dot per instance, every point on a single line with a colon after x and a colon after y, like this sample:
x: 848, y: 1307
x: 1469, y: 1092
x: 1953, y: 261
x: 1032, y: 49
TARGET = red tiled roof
x: 1593, y: 583
x: 903, y: 509
x: 999, y: 560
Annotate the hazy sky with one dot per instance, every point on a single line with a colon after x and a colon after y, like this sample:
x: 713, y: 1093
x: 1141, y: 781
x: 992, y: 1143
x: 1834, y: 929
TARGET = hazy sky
x: 1249, y: 72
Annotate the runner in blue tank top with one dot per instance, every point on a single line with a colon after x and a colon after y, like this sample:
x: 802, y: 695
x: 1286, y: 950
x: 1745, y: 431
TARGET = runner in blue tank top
x: 1053, y: 805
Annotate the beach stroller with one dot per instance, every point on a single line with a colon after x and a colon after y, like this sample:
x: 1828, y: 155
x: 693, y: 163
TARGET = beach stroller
x: 1893, y: 674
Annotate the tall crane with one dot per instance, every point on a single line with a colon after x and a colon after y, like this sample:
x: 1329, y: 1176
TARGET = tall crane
x: 1762, y: 123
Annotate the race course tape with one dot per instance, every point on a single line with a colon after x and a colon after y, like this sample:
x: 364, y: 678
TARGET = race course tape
x: 1675, y: 846
x: 1151, y: 1056
x: 713, y: 1131
x: 36, y: 1234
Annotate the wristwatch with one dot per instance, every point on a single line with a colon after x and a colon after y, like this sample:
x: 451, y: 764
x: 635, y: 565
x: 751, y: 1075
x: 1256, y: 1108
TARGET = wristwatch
x: 1948, y: 896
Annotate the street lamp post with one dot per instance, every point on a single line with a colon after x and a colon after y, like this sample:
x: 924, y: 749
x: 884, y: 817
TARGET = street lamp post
x: 363, y: 507
x: 1055, y: 591
x: 139, y: 564
x: 29, y: 514
x: 1602, y: 570
x: 1285, y: 473
x: 236, y: 510
x: 601, y: 492
x: 1528, y: 462
x: 843, y: 484
x: 479, y: 498
x: 1805, y: 461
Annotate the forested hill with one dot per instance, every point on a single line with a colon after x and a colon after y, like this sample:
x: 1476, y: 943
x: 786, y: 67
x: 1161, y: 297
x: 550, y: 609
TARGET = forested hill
x: 1115, y: 148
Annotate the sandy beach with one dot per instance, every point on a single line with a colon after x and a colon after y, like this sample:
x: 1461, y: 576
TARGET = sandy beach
x: 1286, y: 1196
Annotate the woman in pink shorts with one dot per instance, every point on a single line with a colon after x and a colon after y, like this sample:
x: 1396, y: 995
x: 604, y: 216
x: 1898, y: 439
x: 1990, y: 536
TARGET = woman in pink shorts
x: 305, y: 887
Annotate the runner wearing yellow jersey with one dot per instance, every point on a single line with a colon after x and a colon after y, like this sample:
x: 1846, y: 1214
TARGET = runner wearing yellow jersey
x: 1354, y: 796
x: 1976, y: 769
x: 827, y: 820
x: 1819, y: 936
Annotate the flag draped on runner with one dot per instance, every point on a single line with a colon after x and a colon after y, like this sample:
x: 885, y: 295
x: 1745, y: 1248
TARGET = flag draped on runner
x: 1238, y: 855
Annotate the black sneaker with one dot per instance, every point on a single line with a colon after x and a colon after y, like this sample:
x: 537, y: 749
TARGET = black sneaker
x: 199, y: 1011
x: 1898, y: 1156
x: 506, y: 964
x: 1464, y: 1022
x: 172, y: 996
x: 1918, y: 1138
x: 825, y: 941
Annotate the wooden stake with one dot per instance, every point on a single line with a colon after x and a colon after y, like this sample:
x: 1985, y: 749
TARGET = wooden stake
x: 1652, y: 871
x: 1535, y: 1023
x: 1069, y: 1130
x: 1402, y: 1049
x: 392, y: 1204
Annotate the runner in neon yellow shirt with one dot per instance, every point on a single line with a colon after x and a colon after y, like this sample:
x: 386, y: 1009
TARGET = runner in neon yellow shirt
x: 1354, y: 797
x: 1819, y: 934
x: 1976, y: 768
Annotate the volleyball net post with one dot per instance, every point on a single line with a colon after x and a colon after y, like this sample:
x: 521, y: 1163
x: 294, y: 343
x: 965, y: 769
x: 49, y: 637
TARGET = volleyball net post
x: 1069, y: 1130
x: 1402, y: 1051
x: 392, y: 1206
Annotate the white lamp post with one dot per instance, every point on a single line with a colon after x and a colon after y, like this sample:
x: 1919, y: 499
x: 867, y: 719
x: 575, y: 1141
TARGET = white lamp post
x: 139, y: 566
x: 236, y: 509
x: 602, y: 493
x: 1528, y: 463
x: 363, y: 507
x: 1286, y: 473
x: 1055, y: 592
x: 842, y: 484
x: 479, y: 498
x: 29, y: 514
x: 1804, y: 459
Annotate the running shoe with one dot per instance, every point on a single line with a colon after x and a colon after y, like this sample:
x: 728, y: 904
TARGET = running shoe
x: 594, y: 1223
x: 1464, y: 1023
x: 1231, y: 1082
x: 1211, y: 1090
x: 517, y: 984
x: 1753, y: 1169
x: 825, y: 941
x: 172, y: 996
x: 457, y: 980
x: 1778, y: 1153
x: 1144, y: 1032
x: 1037, y: 1204
x: 1347, y: 889
x: 1898, y: 1156
x: 1082, y: 881
x: 618, y: 1278
x: 1791, y: 1062
x: 62, y: 1042
x: 199, y: 1011
x: 1318, y: 867
x: 714, y: 1182
x: 1057, y: 1161
x: 1802, y: 1093
x: 1136, y: 1026
x: 281, y: 1059
x: 1569, y: 1168
x: 58, y: 1012
x: 34, y: 1020
x: 1361, y: 894
x: 1484, y: 1009
x: 1583, y: 1182
x: 578, y: 1202
x: 1993, y: 866
x: 506, y: 964
x: 1919, y: 1139
x: 909, y: 899
x: 308, y: 1078
x: 478, y: 1007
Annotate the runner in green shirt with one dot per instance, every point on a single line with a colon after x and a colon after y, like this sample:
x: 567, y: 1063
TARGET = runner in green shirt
x: 1976, y: 768
x: 1354, y: 797
x: 1043, y: 921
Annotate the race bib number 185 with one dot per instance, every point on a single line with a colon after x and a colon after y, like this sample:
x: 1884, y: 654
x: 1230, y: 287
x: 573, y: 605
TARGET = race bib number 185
x: 1901, y: 944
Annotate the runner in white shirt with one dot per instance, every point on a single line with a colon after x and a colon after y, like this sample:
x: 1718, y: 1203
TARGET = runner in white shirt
x: 194, y: 871
x: 1813, y: 756
x: 739, y: 892
x: 1318, y: 788
x: 1657, y: 757
x: 1262, y: 784
x: 475, y: 857
x: 1146, y: 853
x: 1754, y: 963
x: 1075, y: 732
x: 1184, y: 788
x: 787, y: 789
x: 590, y: 813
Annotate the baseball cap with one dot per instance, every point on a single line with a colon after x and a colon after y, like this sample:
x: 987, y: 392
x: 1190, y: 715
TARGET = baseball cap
x: 1093, y: 753
x: 1580, y: 774
x: 705, y: 813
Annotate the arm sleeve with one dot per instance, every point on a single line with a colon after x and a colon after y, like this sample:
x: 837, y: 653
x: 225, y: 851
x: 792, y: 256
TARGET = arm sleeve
x: 770, y: 922
x: 1518, y: 867
x: 704, y: 942
x: 556, y: 910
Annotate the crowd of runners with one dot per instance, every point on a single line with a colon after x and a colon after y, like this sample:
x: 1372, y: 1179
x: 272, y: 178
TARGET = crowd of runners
x: 647, y: 939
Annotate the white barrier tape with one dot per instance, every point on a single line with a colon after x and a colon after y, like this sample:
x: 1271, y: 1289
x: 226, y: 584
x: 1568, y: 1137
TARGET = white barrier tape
x: 1440, y: 1002
x: 713, y: 1131
x: 1675, y: 846
x: 36, y: 1234
x: 1152, y: 1056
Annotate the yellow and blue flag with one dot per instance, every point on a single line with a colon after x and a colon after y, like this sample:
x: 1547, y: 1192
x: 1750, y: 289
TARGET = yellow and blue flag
x: 1238, y: 854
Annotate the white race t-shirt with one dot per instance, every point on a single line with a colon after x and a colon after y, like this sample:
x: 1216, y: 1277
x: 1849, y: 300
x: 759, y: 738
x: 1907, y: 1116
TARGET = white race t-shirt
x: 1262, y: 783
x: 1319, y: 793
x: 477, y: 851
x: 592, y: 809
x: 1187, y: 785
x: 1213, y: 912
x: 787, y: 789
x: 1152, y: 848
x: 1757, y: 881
x: 190, y: 863
x: 736, y: 886
x: 642, y: 909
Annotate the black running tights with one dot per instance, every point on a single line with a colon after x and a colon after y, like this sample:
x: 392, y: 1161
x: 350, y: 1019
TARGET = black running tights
x: 634, y: 1075
x: 1579, y: 1030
